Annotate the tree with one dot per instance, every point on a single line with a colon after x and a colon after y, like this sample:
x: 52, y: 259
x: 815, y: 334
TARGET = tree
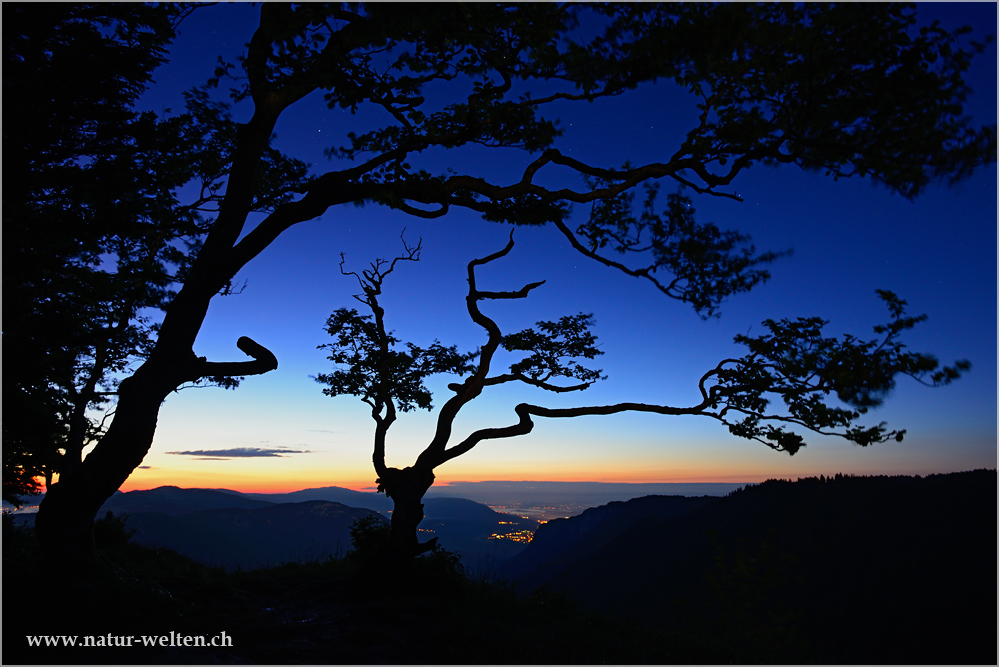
x: 794, y: 364
x: 96, y: 233
x: 88, y: 218
x: 851, y: 90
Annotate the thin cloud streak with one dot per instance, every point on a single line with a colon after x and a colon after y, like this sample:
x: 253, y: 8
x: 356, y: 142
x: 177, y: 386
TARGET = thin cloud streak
x: 239, y: 452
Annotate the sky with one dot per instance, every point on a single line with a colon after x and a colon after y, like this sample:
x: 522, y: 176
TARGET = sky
x: 849, y: 238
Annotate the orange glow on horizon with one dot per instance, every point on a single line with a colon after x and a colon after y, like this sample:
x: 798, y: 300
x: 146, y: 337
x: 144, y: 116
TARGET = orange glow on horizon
x: 145, y: 479
x: 257, y: 478
x: 148, y: 479
x: 680, y: 466
x: 239, y: 483
x: 285, y: 475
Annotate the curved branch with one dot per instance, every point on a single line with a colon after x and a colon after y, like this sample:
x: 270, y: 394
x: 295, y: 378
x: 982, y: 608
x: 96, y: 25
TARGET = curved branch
x: 472, y: 387
x: 340, y: 187
x: 517, y: 377
x: 582, y: 411
x: 334, y: 188
x: 263, y: 362
x: 522, y: 427
x: 420, y: 213
x: 526, y: 424
x: 638, y: 273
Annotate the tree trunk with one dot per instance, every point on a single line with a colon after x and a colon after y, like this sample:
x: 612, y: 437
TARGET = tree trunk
x: 66, y: 515
x: 406, y: 487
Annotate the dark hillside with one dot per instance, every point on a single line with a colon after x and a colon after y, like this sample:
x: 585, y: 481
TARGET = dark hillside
x: 844, y: 570
x: 847, y: 570
x: 560, y: 542
x: 334, y: 494
x: 335, y: 612
x: 252, y: 538
x: 461, y: 509
x: 470, y: 529
x: 231, y: 530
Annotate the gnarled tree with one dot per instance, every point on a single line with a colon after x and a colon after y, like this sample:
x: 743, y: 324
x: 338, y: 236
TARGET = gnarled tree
x: 91, y: 223
x: 788, y: 377
x: 851, y: 90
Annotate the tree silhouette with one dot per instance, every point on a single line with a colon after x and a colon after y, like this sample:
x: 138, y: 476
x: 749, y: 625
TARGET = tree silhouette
x: 97, y: 236
x: 793, y: 364
x: 850, y: 90
x: 89, y: 220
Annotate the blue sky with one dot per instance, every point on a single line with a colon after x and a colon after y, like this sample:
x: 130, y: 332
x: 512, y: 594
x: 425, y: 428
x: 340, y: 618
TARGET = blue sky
x: 849, y: 238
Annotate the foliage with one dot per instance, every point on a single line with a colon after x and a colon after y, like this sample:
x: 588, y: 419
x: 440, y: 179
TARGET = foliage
x: 367, y: 374
x: 97, y: 235
x: 550, y: 352
x: 704, y: 265
x: 367, y: 534
x: 78, y: 188
x: 778, y: 84
x: 796, y: 363
x: 567, y: 339
x: 851, y: 90
x: 111, y: 531
x: 91, y: 219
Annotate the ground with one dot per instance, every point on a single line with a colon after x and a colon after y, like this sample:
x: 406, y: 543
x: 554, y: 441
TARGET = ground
x: 336, y: 612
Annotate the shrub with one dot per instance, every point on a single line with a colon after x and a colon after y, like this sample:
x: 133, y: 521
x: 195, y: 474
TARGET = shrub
x: 368, y: 533
x: 111, y: 531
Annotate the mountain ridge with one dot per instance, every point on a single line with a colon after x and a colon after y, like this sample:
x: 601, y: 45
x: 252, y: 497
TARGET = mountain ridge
x: 893, y: 564
x: 214, y: 525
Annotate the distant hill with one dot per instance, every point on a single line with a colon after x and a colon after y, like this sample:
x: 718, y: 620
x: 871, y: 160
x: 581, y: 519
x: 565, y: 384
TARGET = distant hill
x: 852, y: 569
x: 462, y: 509
x: 461, y: 525
x: 250, y: 538
x: 231, y: 529
x: 469, y: 528
x: 585, y: 494
x: 174, y: 500
x: 375, y: 501
x: 560, y: 542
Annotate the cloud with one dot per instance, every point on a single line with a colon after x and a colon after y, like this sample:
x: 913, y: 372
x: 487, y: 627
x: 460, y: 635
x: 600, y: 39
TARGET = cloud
x: 144, y: 467
x: 238, y: 452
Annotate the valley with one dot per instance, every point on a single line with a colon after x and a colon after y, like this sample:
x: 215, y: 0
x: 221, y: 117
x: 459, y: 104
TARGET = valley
x: 896, y: 569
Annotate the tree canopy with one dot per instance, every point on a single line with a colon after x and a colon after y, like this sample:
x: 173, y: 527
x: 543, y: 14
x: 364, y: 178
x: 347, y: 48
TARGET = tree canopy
x: 89, y: 218
x: 792, y: 376
x: 849, y: 90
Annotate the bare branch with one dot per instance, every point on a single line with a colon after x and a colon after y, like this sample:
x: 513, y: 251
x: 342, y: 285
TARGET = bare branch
x: 420, y: 213
x: 638, y: 273
x: 519, y: 294
x: 263, y: 361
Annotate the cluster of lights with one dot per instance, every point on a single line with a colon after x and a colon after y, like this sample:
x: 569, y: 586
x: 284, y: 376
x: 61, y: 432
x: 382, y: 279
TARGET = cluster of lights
x: 523, y: 536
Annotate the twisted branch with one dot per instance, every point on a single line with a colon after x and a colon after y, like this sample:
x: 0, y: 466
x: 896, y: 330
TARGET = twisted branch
x: 263, y: 361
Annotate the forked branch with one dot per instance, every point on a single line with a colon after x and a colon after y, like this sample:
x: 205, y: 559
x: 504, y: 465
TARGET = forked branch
x: 794, y: 365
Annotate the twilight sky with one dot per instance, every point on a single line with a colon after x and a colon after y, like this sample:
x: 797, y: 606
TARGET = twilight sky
x: 849, y: 238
